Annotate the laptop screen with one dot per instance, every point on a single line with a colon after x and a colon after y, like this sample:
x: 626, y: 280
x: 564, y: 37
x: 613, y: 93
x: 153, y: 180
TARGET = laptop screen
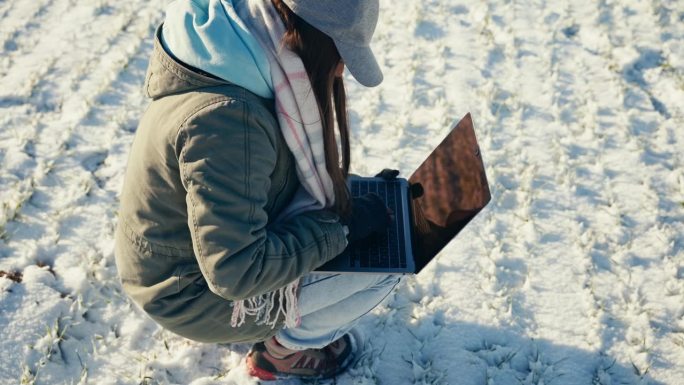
x: 455, y: 190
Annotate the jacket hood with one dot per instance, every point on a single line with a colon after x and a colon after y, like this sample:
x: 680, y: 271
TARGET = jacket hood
x: 210, y: 35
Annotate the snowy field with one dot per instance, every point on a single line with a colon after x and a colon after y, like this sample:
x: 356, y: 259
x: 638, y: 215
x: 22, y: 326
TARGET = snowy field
x: 574, y: 274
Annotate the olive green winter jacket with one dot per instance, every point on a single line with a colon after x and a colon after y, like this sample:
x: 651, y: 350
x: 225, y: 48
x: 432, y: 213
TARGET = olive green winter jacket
x: 207, y: 173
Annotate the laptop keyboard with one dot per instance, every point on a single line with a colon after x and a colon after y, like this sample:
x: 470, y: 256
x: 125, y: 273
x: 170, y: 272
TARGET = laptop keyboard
x: 387, y: 250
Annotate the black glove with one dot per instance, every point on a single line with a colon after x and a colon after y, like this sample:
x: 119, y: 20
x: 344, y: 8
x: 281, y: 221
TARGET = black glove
x: 387, y: 174
x: 416, y: 189
x: 369, y: 216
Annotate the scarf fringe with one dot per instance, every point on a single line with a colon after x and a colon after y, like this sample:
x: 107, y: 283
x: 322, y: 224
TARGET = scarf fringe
x: 262, y: 306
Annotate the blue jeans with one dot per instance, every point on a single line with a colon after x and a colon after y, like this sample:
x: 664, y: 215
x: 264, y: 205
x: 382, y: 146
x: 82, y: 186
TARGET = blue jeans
x: 331, y: 304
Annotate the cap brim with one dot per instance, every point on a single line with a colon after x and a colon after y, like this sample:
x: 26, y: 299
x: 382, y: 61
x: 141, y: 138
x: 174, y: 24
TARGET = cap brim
x: 361, y: 63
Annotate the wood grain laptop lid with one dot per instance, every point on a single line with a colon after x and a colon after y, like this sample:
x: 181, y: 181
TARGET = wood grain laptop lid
x: 455, y: 190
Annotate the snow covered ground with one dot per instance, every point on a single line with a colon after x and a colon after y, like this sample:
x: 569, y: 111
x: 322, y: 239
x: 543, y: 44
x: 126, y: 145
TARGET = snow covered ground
x: 574, y: 274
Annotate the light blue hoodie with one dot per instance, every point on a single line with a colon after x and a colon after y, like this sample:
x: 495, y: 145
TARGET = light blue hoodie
x: 209, y: 35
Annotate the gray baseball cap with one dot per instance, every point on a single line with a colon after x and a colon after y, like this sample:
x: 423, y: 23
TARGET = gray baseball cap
x: 350, y: 24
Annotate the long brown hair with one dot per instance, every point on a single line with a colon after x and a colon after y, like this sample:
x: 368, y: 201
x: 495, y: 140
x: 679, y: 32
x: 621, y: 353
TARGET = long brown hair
x: 321, y: 58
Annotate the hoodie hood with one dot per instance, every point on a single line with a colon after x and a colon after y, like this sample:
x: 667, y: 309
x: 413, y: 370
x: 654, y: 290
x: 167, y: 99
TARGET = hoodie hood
x: 166, y: 76
x: 208, y: 35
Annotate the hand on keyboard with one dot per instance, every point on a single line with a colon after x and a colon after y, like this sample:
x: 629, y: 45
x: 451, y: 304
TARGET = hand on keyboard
x: 369, y: 216
x: 416, y: 189
x: 387, y: 174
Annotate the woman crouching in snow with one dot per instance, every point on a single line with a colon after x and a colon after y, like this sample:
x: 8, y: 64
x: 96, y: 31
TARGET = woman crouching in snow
x: 234, y: 192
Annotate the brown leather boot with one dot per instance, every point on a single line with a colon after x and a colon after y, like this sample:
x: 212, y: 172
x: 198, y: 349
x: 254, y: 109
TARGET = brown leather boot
x: 270, y: 361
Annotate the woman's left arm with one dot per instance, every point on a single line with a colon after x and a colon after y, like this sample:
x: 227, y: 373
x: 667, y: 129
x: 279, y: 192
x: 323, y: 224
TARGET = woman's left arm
x: 227, y: 154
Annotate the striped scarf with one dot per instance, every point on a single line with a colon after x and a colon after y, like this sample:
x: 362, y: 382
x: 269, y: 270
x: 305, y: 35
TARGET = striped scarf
x: 300, y: 122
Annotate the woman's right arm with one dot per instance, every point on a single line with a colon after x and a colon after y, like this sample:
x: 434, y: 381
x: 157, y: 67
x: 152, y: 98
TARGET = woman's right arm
x: 226, y: 154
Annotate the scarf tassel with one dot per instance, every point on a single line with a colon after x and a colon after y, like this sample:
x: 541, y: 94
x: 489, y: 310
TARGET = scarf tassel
x: 262, y: 306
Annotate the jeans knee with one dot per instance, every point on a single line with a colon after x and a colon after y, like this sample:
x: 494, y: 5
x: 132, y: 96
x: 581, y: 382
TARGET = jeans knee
x: 390, y: 280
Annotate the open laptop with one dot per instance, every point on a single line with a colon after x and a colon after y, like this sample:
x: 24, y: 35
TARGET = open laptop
x: 455, y: 190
